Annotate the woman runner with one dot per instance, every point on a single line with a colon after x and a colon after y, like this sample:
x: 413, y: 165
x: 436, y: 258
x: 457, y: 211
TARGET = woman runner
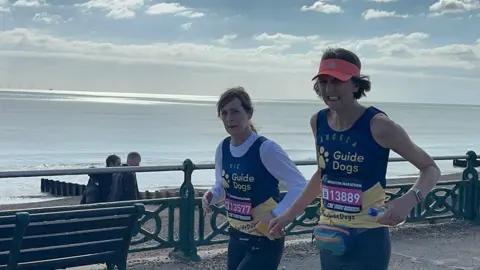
x: 353, y: 142
x: 248, y: 169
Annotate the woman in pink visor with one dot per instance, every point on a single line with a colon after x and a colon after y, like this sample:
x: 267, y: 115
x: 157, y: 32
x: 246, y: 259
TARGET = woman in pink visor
x: 353, y: 143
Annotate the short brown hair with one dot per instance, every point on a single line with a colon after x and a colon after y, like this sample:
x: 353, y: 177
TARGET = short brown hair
x: 112, y: 159
x: 240, y: 93
x: 134, y: 155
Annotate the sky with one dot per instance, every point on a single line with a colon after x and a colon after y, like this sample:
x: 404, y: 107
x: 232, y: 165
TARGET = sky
x: 424, y: 51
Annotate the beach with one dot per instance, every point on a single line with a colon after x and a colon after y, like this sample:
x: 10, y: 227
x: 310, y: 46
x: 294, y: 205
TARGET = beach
x: 43, y: 130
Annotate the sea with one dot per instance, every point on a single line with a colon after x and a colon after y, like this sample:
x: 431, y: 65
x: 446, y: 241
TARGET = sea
x: 50, y: 129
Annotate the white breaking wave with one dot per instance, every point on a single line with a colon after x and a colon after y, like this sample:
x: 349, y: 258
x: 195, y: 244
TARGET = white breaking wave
x: 147, y: 98
x: 116, y: 94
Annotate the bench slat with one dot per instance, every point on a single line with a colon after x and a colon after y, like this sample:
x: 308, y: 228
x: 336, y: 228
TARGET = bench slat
x: 69, y: 262
x: 6, y: 231
x: 62, y: 226
x: 53, y: 209
x: 50, y: 253
x: 63, y: 239
x: 7, y: 220
x: 84, y: 213
x: 5, y: 244
x: 66, y: 226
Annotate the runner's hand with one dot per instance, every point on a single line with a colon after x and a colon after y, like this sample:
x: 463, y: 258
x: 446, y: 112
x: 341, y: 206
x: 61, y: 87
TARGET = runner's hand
x: 206, y: 199
x: 398, y: 210
x: 277, y: 225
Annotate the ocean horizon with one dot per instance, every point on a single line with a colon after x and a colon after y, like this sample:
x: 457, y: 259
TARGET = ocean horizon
x: 156, y: 97
x: 54, y: 129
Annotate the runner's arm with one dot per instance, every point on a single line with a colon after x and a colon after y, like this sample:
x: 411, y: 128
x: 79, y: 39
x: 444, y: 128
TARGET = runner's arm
x: 278, y: 163
x: 217, y: 190
x: 391, y: 135
x: 314, y: 186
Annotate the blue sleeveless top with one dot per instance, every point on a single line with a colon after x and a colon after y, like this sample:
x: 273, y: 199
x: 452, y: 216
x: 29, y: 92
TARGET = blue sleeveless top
x: 353, y: 168
x: 251, y: 191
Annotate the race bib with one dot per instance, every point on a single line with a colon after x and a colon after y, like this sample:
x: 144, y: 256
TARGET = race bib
x: 237, y: 209
x: 342, y: 196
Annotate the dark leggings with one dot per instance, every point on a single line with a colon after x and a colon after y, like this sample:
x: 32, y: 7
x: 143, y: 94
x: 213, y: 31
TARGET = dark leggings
x: 371, y: 251
x: 246, y: 252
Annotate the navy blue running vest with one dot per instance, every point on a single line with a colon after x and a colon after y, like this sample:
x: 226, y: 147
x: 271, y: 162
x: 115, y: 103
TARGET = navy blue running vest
x: 251, y: 191
x: 354, y: 168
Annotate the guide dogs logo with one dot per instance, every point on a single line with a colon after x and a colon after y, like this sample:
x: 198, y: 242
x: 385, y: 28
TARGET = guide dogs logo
x: 322, y: 157
x: 225, y: 177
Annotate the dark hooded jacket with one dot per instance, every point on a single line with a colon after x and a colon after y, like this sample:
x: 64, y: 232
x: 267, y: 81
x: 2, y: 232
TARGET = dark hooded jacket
x: 124, y: 187
x: 97, y: 189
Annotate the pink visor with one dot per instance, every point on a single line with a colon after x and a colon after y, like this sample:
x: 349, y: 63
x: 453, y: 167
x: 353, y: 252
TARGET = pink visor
x: 338, y: 68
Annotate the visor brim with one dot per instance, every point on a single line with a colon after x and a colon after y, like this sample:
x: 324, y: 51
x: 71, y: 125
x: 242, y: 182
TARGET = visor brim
x: 336, y: 74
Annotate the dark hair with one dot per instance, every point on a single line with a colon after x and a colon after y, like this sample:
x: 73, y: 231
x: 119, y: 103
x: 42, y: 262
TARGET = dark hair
x: 240, y: 93
x: 111, y: 159
x: 362, y: 81
x: 133, y: 155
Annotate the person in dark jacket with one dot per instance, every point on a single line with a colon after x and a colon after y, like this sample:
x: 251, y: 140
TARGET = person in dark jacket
x: 98, y: 186
x: 124, y: 185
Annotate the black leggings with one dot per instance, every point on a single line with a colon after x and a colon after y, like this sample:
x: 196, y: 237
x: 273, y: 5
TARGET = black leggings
x: 247, y: 252
x: 371, y: 251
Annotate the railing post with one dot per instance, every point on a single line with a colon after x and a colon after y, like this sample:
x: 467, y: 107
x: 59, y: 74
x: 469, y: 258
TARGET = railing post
x: 470, y: 174
x: 187, y: 248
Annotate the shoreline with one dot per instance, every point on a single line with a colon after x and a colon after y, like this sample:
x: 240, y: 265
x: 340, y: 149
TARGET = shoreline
x: 74, y: 200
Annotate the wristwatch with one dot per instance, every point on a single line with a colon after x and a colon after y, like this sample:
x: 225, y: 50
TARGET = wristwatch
x: 418, y: 194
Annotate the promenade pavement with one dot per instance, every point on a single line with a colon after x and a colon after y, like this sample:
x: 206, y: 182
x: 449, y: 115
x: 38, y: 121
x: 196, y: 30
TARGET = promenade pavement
x: 452, y: 245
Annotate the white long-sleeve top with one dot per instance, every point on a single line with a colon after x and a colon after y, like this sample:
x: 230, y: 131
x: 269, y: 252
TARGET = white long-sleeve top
x: 275, y: 160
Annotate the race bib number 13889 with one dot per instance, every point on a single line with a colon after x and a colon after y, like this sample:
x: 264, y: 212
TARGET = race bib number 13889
x: 342, y: 199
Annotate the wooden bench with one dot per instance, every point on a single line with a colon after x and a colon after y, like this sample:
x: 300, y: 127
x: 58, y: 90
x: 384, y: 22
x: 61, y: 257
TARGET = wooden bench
x: 62, y: 237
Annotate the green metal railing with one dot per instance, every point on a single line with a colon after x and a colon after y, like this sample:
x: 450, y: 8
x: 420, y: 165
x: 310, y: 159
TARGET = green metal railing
x: 449, y: 199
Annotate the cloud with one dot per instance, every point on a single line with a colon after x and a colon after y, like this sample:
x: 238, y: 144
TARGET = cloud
x: 226, y: 39
x: 370, y: 14
x: 407, y: 53
x: 323, y: 7
x: 48, y: 18
x: 186, y: 26
x: 30, y: 3
x: 284, y: 38
x: 4, y: 6
x: 173, y: 9
x: 116, y: 9
x: 242, y: 46
x: 443, y: 7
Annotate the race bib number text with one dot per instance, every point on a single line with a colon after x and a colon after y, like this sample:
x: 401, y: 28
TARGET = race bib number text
x: 239, y: 209
x: 343, y: 197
